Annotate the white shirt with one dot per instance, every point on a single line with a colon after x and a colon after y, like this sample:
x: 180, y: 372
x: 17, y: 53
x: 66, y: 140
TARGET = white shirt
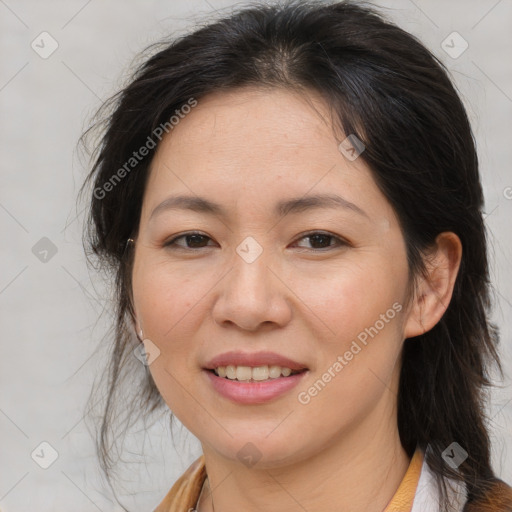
x: 427, y: 499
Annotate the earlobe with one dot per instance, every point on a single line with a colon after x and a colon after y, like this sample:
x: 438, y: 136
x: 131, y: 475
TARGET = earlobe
x: 434, y: 291
x: 137, y: 327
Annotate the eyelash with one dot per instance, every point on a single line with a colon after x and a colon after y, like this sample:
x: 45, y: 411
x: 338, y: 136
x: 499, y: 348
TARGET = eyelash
x: 340, y: 241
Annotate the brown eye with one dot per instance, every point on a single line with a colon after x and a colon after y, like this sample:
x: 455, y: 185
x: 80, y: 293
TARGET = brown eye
x: 320, y: 240
x: 192, y: 241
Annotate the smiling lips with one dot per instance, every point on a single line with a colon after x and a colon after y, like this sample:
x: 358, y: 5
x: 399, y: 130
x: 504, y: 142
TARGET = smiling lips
x: 253, y: 378
x: 256, y: 373
x: 253, y: 359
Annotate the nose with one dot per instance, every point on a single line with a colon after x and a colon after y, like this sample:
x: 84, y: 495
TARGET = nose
x: 252, y: 295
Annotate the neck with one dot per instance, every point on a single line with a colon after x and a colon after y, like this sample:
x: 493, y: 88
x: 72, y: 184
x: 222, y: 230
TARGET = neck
x: 359, y: 470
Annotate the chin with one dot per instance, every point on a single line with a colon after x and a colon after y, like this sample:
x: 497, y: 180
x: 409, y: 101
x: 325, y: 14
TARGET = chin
x: 261, y: 450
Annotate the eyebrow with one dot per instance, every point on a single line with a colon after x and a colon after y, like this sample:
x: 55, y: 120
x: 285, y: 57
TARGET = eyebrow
x: 282, y: 208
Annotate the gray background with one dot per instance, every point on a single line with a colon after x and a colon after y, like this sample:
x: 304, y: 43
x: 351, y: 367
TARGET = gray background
x: 51, y: 319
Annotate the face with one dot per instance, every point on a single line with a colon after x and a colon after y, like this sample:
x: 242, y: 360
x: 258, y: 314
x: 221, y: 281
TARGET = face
x: 318, y: 287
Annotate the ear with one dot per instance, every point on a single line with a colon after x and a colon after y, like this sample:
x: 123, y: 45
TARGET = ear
x: 136, y: 324
x: 434, y: 291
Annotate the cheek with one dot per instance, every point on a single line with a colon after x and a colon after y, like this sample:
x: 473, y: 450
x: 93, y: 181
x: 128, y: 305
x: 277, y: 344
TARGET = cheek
x: 350, y: 299
x: 361, y: 311
x: 166, y: 299
x: 167, y: 302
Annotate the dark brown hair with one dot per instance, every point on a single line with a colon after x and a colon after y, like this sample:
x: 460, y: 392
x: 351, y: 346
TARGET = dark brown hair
x: 383, y: 86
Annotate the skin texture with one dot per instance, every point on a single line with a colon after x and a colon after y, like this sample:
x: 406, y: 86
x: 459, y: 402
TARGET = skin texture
x: 248, y: 149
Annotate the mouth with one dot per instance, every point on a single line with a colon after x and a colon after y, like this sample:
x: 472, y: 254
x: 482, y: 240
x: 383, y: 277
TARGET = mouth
x: 261, y: 373
x: 255, y: 378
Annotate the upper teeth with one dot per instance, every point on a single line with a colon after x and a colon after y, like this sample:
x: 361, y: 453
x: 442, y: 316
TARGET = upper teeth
x: 255, y: 373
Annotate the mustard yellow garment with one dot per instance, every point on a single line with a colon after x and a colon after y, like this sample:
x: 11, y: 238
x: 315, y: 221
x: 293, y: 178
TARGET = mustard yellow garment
x: 185, y: 492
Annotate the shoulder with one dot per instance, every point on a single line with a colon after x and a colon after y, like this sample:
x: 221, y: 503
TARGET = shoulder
x: 497, y: 498
x: 184, y: 493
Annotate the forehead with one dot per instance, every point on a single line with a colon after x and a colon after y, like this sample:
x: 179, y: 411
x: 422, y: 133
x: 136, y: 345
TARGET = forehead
x: 253, y: 121
x: 257, y: 145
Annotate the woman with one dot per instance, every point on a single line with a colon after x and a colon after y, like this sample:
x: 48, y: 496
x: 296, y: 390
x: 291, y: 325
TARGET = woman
x: 290, y: 202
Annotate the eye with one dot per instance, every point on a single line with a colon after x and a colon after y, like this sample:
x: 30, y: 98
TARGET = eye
x: 197, y: 240
x: 193, y: 240
x: 321, y: 238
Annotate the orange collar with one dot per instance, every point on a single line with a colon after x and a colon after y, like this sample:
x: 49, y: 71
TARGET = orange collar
x: 185, y: 492
x: 404, y: 496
